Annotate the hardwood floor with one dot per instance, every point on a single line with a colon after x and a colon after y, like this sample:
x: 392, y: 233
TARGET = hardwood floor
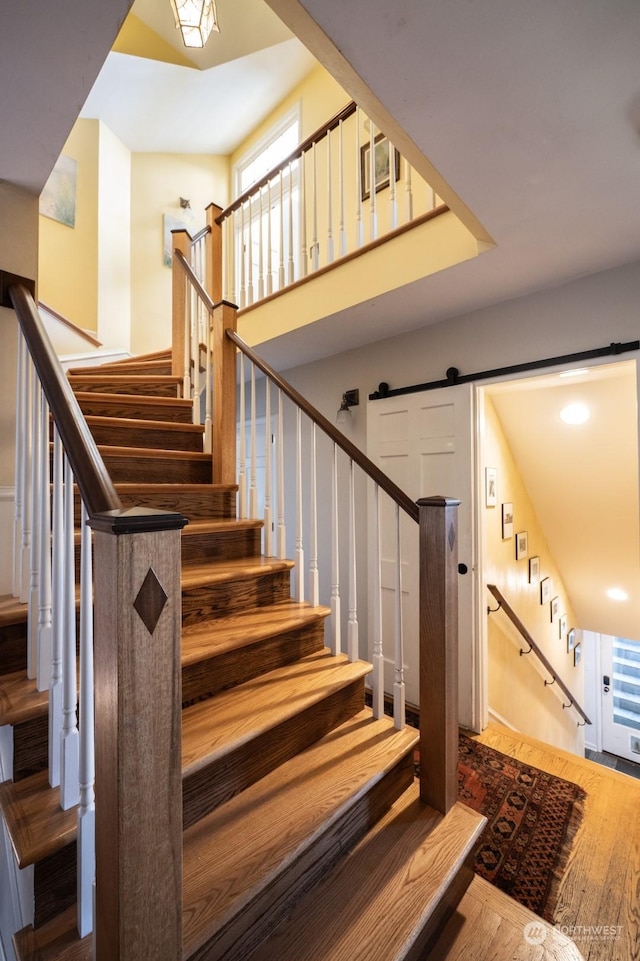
x: 599, y: 903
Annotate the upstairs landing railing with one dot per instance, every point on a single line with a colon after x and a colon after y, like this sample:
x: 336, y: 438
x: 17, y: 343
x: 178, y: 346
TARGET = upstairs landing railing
x: 316, y: 208
x: 130, y: 833
x: 554, y: 680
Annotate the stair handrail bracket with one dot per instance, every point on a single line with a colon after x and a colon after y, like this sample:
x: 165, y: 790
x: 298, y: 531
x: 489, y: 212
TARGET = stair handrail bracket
x: 134, y: 825
x: 534, y: 647
x: 437, y: 535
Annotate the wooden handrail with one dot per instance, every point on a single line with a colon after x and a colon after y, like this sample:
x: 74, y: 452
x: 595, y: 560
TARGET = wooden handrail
x: 180, y: 259
x: 315, y: 137
x: 90, y: 473
x: 356, y: 455
x: 517, y: 623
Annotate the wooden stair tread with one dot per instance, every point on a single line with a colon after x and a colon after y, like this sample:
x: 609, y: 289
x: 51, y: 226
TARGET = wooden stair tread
x: 57, y: 940
x: 96, y: 420
x: 216, y: 727
x: 36, y: 824
x: 377, y: 904
x: 137, y: 453
x: 220, y: 525
x: 12, y: 611
x: 143, y: 400
x: 123, y: 378
x: 195, y: 574
x: 232, y: 855
x: 144, y: 488
x: 20, y: 700
x: 246, y: 627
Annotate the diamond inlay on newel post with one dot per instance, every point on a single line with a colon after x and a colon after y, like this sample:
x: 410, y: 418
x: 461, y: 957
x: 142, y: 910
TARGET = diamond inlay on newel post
x: 150, y: 601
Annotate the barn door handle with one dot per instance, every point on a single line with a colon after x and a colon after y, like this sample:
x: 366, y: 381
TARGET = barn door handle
x: 462, y: 568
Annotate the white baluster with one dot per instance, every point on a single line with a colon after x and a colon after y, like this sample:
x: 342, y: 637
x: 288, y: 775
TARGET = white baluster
x: 329, y: 203
x: 336, y: 640
x: 227, y: 273
x: 250, y: 255
x: 195, y: 355
x: 86, y: 868
x: 359, y: 168
x: 243, y: 260
x: 373, y: 211
x: 208, y: 388
x: 378, y: 653
x: 352, y: 623
x: 269, y: 242
x: 57, y: 615
x: 186, y: 374
x: 260, y: 249
x: 291, y: 260
x: 27, y: 480
x: 299, y: 530
x: 268, y: 512
x: 398, y: 686
x: 393, y: 202
x: 281, y: 261
x: 253, y: 489
x: 242, y: 448
x: 19, y: 467
x: 314, y: 584
x: 342, y: 233
x: 408, y: 193
x: 43, y: 673
x: 34, y: 552
x: 282, y: 530
x: 304, y: 265
x: 315, y: 247
x: 69, y: 753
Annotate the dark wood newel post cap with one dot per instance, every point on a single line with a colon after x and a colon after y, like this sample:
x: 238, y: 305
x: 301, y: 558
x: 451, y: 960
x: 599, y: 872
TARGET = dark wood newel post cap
x: 137, y: 520
x: 437, y: 500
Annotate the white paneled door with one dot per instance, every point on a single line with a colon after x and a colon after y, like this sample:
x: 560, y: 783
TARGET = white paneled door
x: 620, y: 660
x: 425, y: 443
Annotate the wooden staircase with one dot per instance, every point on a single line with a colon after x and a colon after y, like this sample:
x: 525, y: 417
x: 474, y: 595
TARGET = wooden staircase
x: 290, y: 787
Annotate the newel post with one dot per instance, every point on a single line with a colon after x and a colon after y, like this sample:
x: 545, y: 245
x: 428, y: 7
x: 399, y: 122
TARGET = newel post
x: 213, y: 254
x: 181, y: 241
x: 138, y: 736
x: 439, y: 651
x: 224, y: 395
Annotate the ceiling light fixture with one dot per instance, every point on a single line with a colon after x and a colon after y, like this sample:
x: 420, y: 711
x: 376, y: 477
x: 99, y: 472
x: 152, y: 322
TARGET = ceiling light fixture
x: 575, y: 413
x: 575, y: 372
x: 617, y: 594
x: 195, y: 19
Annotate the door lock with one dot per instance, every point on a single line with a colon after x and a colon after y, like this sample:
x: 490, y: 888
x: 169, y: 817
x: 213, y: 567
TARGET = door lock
x: 606, y: 682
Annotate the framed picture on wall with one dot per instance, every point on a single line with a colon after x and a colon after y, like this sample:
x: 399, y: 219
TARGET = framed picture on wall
x: 490, y: 486
x: 563, y: 626
x: 571, y: 640
x: 522, y: 545
x: 555, y: 609
x: 381, y: 165
x: 545, y: 590
x: 534, y: 569
x: 507, y: 521
x: 577, y: 654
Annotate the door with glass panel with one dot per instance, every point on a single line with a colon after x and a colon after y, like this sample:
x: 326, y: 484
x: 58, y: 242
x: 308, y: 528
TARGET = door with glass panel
x: 620, y: 685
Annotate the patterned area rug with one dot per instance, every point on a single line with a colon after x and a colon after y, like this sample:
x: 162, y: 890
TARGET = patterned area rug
x: 532, y: 820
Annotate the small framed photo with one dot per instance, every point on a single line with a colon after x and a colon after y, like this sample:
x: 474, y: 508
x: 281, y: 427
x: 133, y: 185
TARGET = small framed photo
x: 491, y: 486
x: 577, y: 654
x: 534, y: 570
x: 563, y: 626
x: 555, y: 609
x: 381, y: 164
x: 571, y: 640
x: 507, y: 521
x: 522, y: 545
x: 545, y: 590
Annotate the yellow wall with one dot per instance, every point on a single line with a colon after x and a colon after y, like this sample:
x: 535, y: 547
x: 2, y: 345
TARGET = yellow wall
x: 68, y: 277
x: 516, y: 686
x: 157, y: 183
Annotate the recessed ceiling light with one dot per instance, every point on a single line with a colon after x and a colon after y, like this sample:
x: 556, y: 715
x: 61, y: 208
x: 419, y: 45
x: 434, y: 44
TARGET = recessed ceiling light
x: 575, y: 372
x: 617, y: 594
x: 575, y: 413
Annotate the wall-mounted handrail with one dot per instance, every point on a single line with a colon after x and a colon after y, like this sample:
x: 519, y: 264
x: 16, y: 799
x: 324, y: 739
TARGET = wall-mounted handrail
x: 533, y: 646
x: 98, y: 492
x: 381, y: 479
